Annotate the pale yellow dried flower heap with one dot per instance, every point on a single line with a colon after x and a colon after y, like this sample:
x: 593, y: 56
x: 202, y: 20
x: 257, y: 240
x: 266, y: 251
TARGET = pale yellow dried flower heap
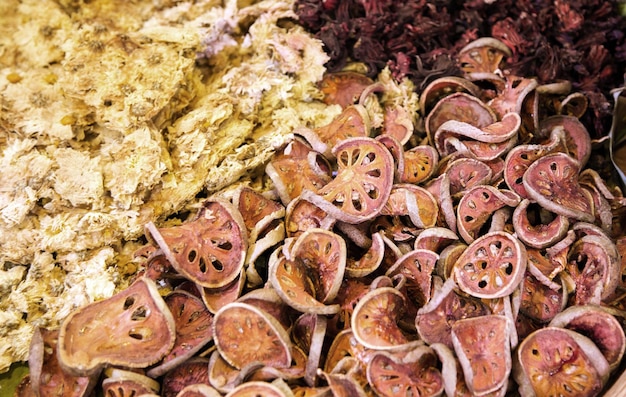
x: 114, y: 113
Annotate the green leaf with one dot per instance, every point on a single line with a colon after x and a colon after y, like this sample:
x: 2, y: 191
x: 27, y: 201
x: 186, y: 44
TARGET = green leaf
x: 12, y: 378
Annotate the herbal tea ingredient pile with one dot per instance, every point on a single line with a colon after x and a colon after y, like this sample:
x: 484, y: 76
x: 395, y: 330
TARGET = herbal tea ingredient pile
x: 479, y: 255
x: 115, y: 114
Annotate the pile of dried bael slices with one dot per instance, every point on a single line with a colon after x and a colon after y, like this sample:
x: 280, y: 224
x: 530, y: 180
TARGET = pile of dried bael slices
x: 477, y: 256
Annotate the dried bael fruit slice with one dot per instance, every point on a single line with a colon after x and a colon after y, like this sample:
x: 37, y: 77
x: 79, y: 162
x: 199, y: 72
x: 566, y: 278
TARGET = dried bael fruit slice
x: 521, y: 157
x: 323, y: 254
x: 434, y: 320
x: 558, y: 362
x: 191, y: 372
x: 295, y: 285
x: 478, y: 205
x: 598, y: 324
x: 398, y: 123
x: 256, y: 389
x: 198, y: 390
x: 193, y: 330
x: 435, y: 239
x: 375, y: 320
x: 345, y: 346
x: 538, y: 228
x: 363, y: 183
x: 132, y: 329
x: 344, y: 385
x: 512, y: 96
x: 577, y: 139
x: 369, y: 261
x: 552, y: 181
x: 295, y: 168
x: 352, y: 122
x: 269, y: 301
x: 343, y: 88
x: 315, y: 333
x: 224, y: 377
x: 461, y: 107
x: 442, y: 87
x: 245, y: 334
x: 575, y: 105
x: 301, y: 216
x: 294, y: 373
x: 498, y: 132
x: 397, y: 152
x: 465, y: 173
x: 415, y: 202
x: 482, y: 345
x: 483, y: 55
x: 540, y: 302
x: 257, y: 211
x: 417, y: 267
x: 47, y: 378
x: 542, y: 268
x: 420, y: 163
x: 594, y: 266
x: 440, y: 189
x: 121, y: 383
x: 492, y: 266
x: 211, y: 249
x: 413, y: 374
x: 447, y: 259
x: 351, y: 291
x: 215, y: 298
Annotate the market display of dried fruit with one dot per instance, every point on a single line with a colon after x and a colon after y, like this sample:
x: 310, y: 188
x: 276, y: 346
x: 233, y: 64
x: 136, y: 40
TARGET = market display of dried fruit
x: 448, y: 232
